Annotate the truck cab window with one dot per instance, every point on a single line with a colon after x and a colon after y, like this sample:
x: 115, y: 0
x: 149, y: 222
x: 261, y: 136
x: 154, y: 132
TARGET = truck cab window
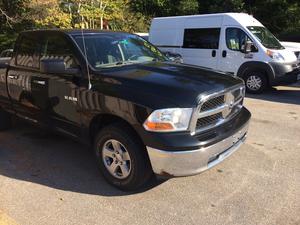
x: 28, y: 52
x: 57, y: 47
x: 204, y: 38
x: 236, y: 38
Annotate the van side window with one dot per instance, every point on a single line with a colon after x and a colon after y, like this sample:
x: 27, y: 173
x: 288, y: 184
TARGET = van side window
x: 57, y: 47
x: 206, y: 38
x: 28, y: 52
x: 236, y: 38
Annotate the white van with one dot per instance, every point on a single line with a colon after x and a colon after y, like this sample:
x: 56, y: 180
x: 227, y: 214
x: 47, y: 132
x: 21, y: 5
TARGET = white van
x: 234, y: 43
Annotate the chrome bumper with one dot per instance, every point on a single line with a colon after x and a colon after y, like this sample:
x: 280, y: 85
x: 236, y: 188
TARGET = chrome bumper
x: 185, y: 163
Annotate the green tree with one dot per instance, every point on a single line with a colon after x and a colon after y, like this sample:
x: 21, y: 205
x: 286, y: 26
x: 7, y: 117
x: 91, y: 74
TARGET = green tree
x: 278, y: 15
x: 92, y: 13
x: 188, y: 7
x: 219, y: 6
x: 48, y: 14
x: 12, y: 13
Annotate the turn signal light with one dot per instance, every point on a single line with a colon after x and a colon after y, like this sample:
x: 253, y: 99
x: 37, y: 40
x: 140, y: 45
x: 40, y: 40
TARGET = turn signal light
x: 158, y: 126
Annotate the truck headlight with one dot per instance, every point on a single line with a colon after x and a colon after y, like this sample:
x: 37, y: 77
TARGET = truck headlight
x: 276, y: 56
x: 169, y: 120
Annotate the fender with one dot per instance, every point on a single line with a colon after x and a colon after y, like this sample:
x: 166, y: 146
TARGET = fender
x: 257, y: 65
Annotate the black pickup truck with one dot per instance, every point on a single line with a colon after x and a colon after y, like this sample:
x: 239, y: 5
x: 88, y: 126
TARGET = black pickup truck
x: 141, y: 114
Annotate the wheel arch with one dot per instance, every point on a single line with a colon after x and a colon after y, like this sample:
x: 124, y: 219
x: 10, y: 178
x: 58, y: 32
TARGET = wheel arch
x: 257, y: 66
x: 100, y: 121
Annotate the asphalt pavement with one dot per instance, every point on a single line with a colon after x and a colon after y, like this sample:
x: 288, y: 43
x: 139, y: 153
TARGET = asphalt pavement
x: 48, y: 179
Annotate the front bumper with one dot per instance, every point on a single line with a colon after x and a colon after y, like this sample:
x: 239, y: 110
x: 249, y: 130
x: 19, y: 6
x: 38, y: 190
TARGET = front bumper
x: 285, y: 73
x: 185, y: 163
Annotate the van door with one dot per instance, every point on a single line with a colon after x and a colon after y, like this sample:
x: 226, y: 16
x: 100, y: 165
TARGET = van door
x: 231, y: 57
x: 201, y: 46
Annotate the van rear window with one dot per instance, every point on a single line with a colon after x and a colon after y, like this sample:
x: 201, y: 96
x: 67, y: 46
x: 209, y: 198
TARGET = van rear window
x: 205, y: 38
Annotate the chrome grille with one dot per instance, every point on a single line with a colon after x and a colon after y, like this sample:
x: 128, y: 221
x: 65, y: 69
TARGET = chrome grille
x: 218, y: 108
x: 205, y: 121
x: 213, y: 103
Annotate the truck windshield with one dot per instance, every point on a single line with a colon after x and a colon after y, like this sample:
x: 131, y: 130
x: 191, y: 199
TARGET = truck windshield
x: 109, y: 50
x: 266, y: 37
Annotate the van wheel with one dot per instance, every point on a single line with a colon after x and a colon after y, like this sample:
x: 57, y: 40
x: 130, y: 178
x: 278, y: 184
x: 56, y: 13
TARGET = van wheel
x: 256, y: 82
x: 5, y: 120
x: 121, y: 157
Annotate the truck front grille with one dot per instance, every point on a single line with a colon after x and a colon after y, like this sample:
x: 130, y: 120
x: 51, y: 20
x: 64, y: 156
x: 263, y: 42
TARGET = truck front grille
x: 219, y: 108
x: 205, y: 121
x: 213, y: 103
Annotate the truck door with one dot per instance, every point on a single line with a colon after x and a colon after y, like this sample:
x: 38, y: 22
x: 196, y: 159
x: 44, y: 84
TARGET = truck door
x: 62, y: 110
x: 201, y: 46
x: 233, y: 40
x: 4, y: 99
x: 21, y: 74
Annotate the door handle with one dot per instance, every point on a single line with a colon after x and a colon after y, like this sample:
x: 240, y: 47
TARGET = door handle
x: 41, y: 82
x: 13, y: 77
x: 224, y: 53
x: 213, y: 53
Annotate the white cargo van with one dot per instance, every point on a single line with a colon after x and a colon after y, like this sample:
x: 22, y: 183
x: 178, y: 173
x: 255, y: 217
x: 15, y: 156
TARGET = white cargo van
x: 234, y: 43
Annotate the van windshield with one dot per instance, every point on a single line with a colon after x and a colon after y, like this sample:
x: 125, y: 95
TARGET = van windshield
x: 117, y: 49
x: 266, y: 37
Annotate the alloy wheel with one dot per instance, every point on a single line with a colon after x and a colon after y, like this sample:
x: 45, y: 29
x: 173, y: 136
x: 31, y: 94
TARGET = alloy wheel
x: 254, y: 82
x: 116, y: 159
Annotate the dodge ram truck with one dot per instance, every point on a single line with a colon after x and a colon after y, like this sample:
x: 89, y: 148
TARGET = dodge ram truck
x: 116, y: 92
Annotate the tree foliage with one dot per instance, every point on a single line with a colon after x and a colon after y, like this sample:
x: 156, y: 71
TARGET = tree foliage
x: 280, y: 16
x: 48, y: 14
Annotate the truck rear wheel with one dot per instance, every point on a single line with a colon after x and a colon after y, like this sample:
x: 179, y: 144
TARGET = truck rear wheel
x: 5, y: 120
x: 256, y: 82
x: 121, y: 157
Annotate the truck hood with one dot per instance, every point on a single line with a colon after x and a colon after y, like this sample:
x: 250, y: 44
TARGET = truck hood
x: 165, y: 84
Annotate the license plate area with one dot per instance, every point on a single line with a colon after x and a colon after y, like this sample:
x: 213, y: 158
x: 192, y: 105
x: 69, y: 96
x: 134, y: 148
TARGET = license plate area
x: 222, y: 155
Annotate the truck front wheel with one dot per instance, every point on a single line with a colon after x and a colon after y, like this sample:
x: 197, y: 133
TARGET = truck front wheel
x: 256, y: 82
x: 121, y: 157
x: 5, y: 120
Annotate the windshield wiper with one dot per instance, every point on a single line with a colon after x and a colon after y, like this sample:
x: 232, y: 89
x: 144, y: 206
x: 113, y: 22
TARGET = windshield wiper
x: 123, y: 63
x: 120, y: 63
x: 155, y: 60
x: 274, y: 47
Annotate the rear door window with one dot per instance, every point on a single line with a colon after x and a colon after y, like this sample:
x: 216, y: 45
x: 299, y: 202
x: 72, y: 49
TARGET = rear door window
x: 204, y: 38
x: 28, y: 53
x: 56, y: 46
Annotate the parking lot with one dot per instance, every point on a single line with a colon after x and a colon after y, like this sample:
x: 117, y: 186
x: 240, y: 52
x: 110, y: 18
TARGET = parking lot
x: 48, y: 179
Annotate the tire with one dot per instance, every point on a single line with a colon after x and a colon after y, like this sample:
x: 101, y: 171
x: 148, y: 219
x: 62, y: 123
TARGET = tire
x: 256, y: 82
x: 5, y: 120
x: 128, y: 170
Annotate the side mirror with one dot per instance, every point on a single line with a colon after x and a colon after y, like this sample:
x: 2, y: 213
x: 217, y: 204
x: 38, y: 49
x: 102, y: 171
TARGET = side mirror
x: 57, y: 66
x: 247, y: 48
x: 174, y: 57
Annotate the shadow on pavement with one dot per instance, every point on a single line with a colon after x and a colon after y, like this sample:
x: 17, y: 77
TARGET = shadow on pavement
x: 37, y: 156
x: 288, y: 94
